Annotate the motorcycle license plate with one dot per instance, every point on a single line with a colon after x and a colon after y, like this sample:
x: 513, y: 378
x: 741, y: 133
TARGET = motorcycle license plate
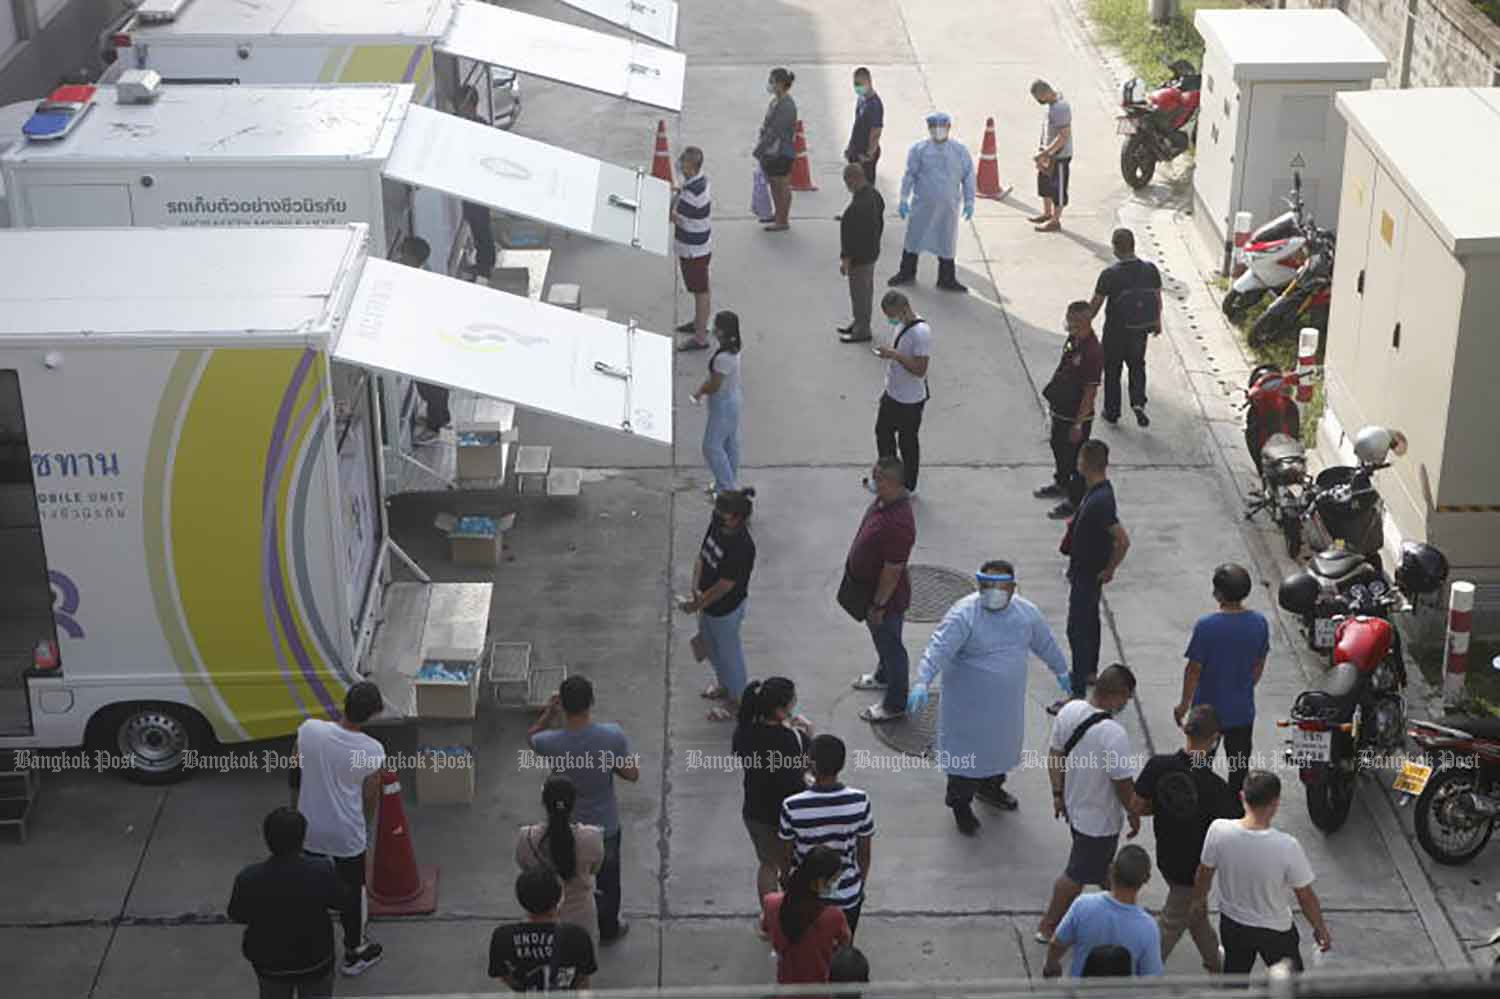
x: 1413, y: 778
x: 1311, y: 747
x: 1125, y: 126
x: 1323, y: 633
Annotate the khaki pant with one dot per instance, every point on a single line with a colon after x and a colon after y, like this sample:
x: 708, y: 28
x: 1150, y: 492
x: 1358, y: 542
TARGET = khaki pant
x: 1178, y: 915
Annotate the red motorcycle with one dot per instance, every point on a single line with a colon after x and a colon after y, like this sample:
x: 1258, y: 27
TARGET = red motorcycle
x: 1156, y: 123
x: 1273, y: 435
x: 1339, y: 731
x: 1457, y: 788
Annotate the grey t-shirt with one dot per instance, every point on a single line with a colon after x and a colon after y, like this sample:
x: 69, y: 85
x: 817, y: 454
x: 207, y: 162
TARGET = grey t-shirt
x: 588, y: 758
x: 1059, y: 116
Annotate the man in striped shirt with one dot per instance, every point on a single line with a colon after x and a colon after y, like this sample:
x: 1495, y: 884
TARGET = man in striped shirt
x: 833, y: 815
x: 690, y: 214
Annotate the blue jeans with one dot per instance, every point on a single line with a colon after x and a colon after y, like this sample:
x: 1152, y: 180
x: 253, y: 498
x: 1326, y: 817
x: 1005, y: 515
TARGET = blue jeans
x: 721, y: 441
x: 1083, y: 631
x: 724, y: 648
x: 895, y: 665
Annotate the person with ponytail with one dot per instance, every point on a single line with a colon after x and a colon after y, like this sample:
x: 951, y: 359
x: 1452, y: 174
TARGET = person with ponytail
x: 771, y: 743
x: 806, y: 931
x: 721, y: 434
x: 569, y: 850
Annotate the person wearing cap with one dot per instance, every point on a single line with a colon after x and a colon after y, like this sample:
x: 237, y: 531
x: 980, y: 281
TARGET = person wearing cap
x: 980, y: 651
x: 1183, y: 796
x: 939, y: 179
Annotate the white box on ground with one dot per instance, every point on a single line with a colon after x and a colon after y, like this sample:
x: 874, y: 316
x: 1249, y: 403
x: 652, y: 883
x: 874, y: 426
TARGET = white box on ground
x: 1266, y: 112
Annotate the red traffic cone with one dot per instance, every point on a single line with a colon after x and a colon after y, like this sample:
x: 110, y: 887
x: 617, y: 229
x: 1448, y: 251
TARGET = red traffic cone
x: 398, y: 887
x: 801, y: 171
x: 661, y: 162
x: 988, y: 181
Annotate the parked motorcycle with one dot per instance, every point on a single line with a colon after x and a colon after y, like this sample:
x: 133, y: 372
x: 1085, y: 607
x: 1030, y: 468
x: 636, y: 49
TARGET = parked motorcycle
x: 1345, y: 509
x: 1458, y: 790
x: 1272, y: 256
x: 1273, y: 435
x: 1360, y: 714
x: 1158, y: 124
x: 1304, y: 301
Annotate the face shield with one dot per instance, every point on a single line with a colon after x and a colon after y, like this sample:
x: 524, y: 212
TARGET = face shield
x: 995, y: 589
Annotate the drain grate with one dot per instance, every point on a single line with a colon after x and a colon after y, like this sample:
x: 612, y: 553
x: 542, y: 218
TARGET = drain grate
x: 913, y: 735
x: 934, y: 589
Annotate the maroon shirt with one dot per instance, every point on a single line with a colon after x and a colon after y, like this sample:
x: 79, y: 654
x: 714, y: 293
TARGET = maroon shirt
x: 1081, y: 365
x: 885, y: 537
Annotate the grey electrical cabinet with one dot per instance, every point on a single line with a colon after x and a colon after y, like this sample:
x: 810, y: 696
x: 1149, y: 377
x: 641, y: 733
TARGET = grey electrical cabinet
x: 1414, y: 328
x: 1266, y: 112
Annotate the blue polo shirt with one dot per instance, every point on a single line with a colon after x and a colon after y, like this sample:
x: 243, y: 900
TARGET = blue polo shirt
x: 1099, y: 919
x: 1227, y: 646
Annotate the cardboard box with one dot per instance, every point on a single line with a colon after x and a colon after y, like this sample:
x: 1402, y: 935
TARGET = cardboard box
x: 447, y: 698
x: 446, y: 732
x: 445, y: 776
x: 480, y: 455
x: 475, y: 541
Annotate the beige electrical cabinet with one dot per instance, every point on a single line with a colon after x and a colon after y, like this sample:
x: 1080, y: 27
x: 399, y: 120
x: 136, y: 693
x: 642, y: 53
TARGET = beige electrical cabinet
x: 1414, y: 330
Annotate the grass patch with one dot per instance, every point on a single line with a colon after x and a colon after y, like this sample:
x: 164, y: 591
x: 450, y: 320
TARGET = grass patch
x: 1148, y: 47
x: 1481, y: 683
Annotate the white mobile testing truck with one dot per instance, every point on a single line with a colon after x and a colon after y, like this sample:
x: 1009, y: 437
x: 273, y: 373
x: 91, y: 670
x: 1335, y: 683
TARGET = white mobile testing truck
x: 321, y: 155
x: 191, y: 499
x: 433, y: 44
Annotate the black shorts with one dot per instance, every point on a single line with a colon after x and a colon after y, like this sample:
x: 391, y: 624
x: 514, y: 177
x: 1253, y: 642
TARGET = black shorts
x: 1090, y: 857
x: 1054, y: 183
x: 776, y: 166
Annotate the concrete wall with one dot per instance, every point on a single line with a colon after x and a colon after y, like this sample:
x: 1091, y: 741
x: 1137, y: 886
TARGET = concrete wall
x: 67, y: 43
x: 1450, y: 43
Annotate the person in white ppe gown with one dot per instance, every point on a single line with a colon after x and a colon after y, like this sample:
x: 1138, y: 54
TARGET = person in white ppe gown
x: 939, y: 180
x: 980, y: 650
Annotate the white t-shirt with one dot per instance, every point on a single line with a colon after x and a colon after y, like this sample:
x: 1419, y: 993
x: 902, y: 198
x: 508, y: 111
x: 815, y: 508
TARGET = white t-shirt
x: 1255, y: 870
x: 1101, y: 757
x: 727, y: 364
x: 900, y: 384
x: 335, y: 763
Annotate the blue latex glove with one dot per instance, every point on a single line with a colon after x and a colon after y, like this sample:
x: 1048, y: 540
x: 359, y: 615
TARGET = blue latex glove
x: 916, y: 698
x: 1065, y: 684
x: 904, y: 209
x: 968, y: 212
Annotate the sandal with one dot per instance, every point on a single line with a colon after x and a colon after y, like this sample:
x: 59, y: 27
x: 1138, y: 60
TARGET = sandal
x: 778, y: 227
x: 720, y: 714
x: 714, y: 692
x: 867, y: 681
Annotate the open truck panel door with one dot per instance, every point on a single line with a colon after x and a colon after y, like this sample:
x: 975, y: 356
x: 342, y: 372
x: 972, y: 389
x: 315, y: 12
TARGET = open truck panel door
x: 653, y: 19
x: 436, y: 329
x: 609, y: 64
x: 531, y: 179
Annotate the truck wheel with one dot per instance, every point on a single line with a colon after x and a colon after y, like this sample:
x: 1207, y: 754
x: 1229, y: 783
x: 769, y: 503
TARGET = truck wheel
x: 156, y: 739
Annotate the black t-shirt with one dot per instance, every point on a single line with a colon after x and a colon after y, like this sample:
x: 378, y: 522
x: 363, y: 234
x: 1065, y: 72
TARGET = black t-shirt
x: 284, y: 902
x: 774, y: 760
x: 1092, y: 541
x: 727, y: 556
x: 1129, y: 288
x: 1185, y: 799
x: 522, y: 955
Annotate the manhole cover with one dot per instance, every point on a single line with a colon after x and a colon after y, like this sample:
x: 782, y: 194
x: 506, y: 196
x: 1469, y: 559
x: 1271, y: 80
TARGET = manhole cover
x: 934, y: 589
x: 915, y: 734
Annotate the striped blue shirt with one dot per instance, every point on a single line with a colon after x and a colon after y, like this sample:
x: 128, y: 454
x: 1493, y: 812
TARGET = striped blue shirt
x: 836, y: 817
x: 694, y: 235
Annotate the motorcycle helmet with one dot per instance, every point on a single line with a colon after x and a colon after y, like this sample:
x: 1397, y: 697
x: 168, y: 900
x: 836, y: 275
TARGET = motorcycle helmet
x: 1422, y: 569
x: 1298, y: 593
x: 1373, y: 445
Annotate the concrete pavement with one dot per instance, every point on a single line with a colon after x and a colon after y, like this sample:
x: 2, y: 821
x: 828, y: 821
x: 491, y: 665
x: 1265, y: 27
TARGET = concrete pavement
x: 119, y: 891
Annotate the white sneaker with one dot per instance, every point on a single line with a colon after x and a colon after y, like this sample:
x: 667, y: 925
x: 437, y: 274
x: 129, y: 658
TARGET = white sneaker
x: 358, y: 961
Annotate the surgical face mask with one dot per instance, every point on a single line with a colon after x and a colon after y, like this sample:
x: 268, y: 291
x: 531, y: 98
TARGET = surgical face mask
x: 860, y: 90
x: 939, y: 133
x: 770, y: 87
x: 994, y: 598
x: 894, y: 322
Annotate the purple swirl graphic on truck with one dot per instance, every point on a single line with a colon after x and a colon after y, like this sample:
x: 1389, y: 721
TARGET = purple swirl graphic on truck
x: 64, y: 603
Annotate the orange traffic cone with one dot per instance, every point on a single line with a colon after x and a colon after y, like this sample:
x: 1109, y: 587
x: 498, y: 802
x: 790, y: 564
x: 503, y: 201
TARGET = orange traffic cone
x: 988, y: 181
x: 801, y: 171
x: 398, y: 887
x: 661, y: 162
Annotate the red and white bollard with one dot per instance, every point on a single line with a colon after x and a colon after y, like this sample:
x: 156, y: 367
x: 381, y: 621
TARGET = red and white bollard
x: 1244, y: 222
x: 1307, y: 367
x: 1456, y: 652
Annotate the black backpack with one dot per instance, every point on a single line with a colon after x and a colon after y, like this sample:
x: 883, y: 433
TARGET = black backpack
x: 1137, y: 309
